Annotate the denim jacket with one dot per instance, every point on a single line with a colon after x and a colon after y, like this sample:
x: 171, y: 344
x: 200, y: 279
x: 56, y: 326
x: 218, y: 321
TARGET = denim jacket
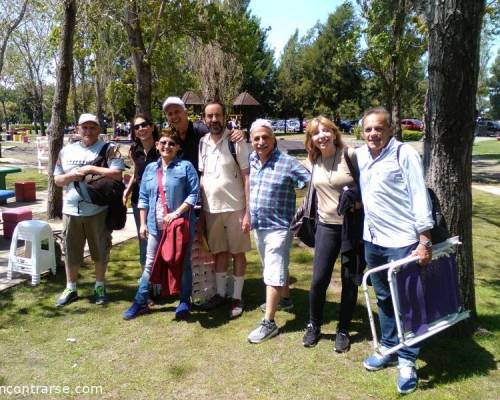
x: 182, y: 185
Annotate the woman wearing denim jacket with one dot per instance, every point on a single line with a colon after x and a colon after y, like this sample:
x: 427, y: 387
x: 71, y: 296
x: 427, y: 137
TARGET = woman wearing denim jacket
x: 181, y: 185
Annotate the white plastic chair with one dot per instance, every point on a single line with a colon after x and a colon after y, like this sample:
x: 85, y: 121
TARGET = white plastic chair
x: 42, y: 147
x: 37, y: 256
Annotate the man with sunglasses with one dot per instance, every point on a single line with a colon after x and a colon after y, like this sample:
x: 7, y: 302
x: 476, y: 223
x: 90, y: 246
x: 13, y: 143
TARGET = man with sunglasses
x: 84, y: 221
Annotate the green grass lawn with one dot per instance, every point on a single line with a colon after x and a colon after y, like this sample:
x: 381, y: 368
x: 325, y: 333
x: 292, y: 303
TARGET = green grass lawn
x: 487, y: 149
x: 208, y: 356
x: 27, y: 174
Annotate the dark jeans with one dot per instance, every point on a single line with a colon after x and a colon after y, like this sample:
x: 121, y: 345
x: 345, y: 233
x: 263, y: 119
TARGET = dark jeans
x: 328, y: 240
x: 376, y: 256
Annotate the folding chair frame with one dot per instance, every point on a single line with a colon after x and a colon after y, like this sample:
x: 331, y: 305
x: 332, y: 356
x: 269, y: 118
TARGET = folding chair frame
x: 409, y: 338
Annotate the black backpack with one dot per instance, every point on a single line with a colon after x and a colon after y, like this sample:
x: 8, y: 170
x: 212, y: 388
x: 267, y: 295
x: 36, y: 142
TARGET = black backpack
x: 439, y: 233
x: 106, y: 191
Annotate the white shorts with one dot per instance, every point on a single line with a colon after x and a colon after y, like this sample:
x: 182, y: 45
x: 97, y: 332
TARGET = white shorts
x: 274, y: 251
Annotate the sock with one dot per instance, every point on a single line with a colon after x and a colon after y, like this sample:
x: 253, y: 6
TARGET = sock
x: 238, y: 286
x: 71, y: 286
x: 221, y: 283
x: 99, y: 283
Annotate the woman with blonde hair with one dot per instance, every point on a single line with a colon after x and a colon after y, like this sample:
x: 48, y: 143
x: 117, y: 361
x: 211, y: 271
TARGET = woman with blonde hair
x: 334, y: 171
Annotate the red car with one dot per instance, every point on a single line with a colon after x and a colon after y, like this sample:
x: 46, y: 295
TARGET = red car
x: 412, y: 124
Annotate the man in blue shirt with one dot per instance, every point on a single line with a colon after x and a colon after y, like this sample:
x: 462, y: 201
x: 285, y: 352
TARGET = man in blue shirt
x: 273, y: 179
x: 397, y: 223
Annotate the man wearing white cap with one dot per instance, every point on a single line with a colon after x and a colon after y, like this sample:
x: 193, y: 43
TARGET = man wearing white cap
x: 84, y: 221
x: 273, y: 179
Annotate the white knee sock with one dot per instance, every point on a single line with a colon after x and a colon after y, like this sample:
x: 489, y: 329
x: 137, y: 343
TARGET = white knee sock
x: 238, y: 286
x: 221, y: 283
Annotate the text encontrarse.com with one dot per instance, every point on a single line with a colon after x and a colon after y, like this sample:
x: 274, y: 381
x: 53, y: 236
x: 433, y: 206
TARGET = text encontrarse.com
x: 29, y: 390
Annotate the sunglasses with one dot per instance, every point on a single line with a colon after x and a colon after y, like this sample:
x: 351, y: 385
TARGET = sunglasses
x: 167, y: 143
x: 141, y: 125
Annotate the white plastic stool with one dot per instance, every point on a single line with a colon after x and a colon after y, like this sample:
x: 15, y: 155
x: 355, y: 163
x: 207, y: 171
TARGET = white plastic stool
x: 38, y: 255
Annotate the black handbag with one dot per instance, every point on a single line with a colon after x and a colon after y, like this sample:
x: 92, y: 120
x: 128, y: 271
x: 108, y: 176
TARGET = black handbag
x: 303, y: 224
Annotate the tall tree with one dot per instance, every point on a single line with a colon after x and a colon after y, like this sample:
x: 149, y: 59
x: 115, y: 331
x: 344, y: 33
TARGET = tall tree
x: 58, y: 119
x: 454, y: 28
x: 395, y: 44
x: 11, y: 16
x: 494, y: 88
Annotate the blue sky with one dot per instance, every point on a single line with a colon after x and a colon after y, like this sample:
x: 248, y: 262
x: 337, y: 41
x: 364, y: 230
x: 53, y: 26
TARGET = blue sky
x: 284, y: 16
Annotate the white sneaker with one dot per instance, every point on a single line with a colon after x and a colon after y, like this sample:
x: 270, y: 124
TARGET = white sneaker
x: 266, y: 330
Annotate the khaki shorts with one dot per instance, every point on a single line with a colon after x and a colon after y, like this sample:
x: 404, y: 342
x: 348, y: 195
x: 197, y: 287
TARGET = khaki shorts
x: 92, y: 229
x: 224, y: 232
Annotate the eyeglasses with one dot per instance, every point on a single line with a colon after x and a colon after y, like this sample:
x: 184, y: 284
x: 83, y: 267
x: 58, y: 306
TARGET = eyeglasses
x: 167, y: 143
x: 141, y: 125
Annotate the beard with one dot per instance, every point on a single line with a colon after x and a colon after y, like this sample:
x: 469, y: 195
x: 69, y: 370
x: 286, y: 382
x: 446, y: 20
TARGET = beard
x: 216, y: 128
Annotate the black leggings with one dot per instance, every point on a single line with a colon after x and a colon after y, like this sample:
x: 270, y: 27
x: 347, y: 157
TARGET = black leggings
x: 328, y: 240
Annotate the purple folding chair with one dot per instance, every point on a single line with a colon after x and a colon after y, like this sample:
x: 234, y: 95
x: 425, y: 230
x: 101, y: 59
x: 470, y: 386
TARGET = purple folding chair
x: 425, y: 300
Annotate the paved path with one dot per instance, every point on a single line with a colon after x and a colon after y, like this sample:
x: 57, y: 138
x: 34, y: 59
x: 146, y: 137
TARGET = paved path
x: 39, y: 207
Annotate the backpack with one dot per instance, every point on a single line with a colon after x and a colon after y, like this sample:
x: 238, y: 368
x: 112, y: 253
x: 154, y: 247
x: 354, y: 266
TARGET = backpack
x: 439, y: 232
x: 106, y: 191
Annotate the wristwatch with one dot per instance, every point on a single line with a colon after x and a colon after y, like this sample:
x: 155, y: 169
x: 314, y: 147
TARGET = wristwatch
x: 427, y: 243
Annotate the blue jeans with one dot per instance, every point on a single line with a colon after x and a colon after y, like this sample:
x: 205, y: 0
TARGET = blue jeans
x: 141, y: 297
x: 143, y: 243
x: 376, y: 256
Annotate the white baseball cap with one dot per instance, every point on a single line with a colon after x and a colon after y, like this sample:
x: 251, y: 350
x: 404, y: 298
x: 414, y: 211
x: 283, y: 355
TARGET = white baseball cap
x: 88, y: 118
x: 173, y: 100
x: 261, y: 123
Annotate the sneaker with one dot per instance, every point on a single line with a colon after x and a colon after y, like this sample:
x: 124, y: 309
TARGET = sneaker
x: 214, y: 302
x: 266, y: 330
x: 312, y: 335
x: 342, y: 342
x: 283, y: 305
x: 135, y: 310
x: 100, y: 295
x: 377, y: 361
x: 236, y: 308
x: 66, y: 297
x: 407, y: 380
x: 183, y: 310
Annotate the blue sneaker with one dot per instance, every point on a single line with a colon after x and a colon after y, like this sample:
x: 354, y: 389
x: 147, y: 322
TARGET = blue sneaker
x: 407, y: 380
x: 377, y: 361
x: 182, y: 310
x: 135, y: 310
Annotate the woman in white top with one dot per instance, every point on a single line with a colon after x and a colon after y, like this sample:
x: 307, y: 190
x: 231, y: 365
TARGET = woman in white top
x: 331, y: 175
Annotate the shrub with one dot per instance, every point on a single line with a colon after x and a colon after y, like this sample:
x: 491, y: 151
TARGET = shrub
x: 412, y: 136
x: 356, y: 131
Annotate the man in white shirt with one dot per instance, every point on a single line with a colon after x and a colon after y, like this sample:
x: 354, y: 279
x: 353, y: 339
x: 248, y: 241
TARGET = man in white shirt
x: 84, y: 221
x: 397, y: 222
x: 224, y: 189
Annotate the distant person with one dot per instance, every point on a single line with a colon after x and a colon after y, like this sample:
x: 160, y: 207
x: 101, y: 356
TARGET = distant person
x: 397, y: 223
x: 143, y: 151
x: 273, y: 178
x: 84, y: 221
x: 224, y: 189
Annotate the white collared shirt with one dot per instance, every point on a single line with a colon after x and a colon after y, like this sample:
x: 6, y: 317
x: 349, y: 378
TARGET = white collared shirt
x: 395, y: 200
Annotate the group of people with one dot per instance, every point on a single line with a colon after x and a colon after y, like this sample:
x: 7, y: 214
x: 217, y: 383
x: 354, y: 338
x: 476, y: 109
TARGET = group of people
x: 240, y: 189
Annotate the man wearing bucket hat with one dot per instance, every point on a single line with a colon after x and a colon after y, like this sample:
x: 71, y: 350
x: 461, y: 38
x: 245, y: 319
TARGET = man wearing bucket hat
x: 84, y: 221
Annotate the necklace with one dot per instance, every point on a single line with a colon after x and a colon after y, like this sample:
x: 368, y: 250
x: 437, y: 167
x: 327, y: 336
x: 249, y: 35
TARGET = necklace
x: 328, y: 171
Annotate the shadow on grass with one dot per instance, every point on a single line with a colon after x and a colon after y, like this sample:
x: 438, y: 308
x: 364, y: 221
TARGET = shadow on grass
x: 450, y: 358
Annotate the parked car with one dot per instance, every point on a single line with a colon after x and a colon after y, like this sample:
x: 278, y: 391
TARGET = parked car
x: 345, y: 125
x: 412, y: 124
x: 486, y: 127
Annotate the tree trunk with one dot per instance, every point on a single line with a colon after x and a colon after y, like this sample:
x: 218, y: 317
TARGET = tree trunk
x: 397, y: 28
x: 99, y: 99
x: 8, y: 31
x: 454, y: 35
x: 75, y: 99
x: 142, y: 66
x: 58, y: 119
x: 6, y: 119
